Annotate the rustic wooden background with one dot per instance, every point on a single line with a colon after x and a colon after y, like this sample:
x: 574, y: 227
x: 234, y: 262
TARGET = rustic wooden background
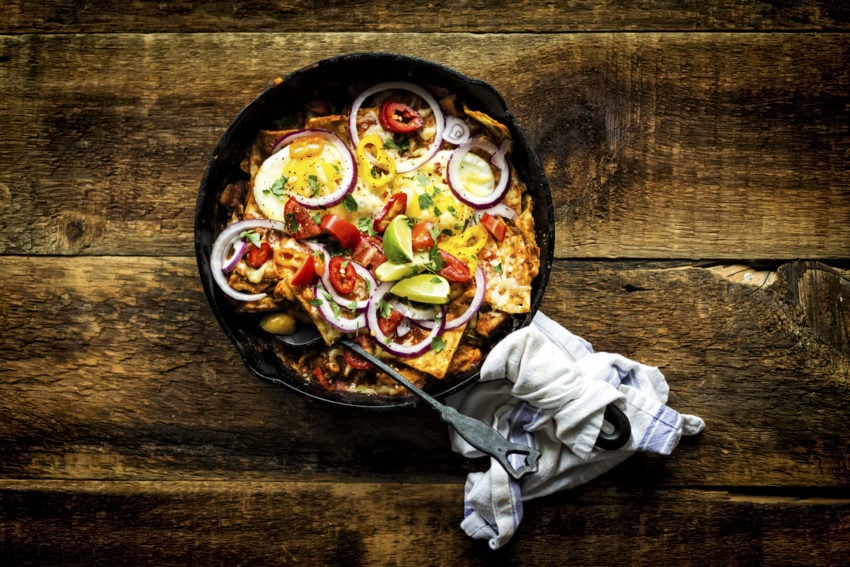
x: 698, y: 155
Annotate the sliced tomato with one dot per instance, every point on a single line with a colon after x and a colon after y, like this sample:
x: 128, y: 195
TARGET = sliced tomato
x: 421, y: 235
x: 342, y: 275
x: 400, y: 118
x: 495, y: 225
x: 453, y: 269
x: 256, y: 257
x: 306, y: 273
x: 343, y: 231
x: 369, y: 252
x: 390, y: 323
x: 298, y: 222
x: 394, y: 206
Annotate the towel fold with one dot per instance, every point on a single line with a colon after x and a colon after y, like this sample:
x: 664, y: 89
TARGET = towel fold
x: 544, y: 387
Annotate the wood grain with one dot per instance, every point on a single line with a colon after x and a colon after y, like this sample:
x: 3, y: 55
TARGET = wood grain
x: 129, y: 377
x: 656, y: 145
x: 178, y: 523
x: 465, y: 16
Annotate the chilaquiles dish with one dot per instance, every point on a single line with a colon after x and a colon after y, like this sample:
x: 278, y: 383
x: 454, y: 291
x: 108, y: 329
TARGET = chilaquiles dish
x: 397, y: 221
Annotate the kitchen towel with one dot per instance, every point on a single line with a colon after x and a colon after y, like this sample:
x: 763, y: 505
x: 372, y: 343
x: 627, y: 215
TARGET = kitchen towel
x: 545, y: 387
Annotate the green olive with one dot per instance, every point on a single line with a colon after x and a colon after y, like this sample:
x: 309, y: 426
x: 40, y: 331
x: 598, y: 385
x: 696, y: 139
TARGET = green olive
x: 278, y: 323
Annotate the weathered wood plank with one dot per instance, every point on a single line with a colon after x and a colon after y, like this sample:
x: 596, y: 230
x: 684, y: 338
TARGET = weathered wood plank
x: 68, y: 16
x: 114, y: 367
x: 177, y: 523
x: 657, y: 145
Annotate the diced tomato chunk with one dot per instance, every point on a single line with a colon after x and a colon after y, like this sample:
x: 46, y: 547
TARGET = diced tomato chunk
x: 343, y: 231
x: 421, y: 236
x: 495, y: 225
x: 306, y: 273
x: 298, y: 222
x: 256, y: 257
x: 453, y: 269
x: 390, y: 323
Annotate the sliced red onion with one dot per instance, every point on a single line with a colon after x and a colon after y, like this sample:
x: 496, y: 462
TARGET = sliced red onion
x: 349, y: 178
x: 403, y: 328
x: 497, y: 158
x: 222, y: 245
x: 474, y: 305
x: 385, y: 342
x: 456, y: 131
x: 499, y: 210
x: 325, y: 304
x: 439, y: 120
x: 349, y: 303
x: 411, y: 312
x: 239, y: 247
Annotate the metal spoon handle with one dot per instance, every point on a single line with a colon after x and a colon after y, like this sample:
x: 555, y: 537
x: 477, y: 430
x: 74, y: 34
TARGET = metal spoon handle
x: 475, y: 432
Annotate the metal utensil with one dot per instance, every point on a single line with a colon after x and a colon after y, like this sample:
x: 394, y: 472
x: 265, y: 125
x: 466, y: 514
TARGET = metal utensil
x: 477, y: 433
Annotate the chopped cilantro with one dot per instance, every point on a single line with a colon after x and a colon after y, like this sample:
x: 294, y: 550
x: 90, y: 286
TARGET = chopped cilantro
x: 251, y: 237
x: 367, y: 225
x: 497, y: 267
x: 384, y: 309
x: 278, y: 186
x: 402, y: 143
x: 425, y: 201
x: 350, y: 203
x: 438, y: 344
x: 313, y: 182
x: 290, y: 221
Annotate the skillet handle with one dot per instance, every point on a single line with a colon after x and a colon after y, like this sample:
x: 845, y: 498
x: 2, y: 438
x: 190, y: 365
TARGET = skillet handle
x: 489, y: 441
x: 622, y: 429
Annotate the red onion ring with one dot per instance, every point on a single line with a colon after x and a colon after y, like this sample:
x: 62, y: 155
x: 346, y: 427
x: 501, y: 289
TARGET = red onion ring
x: 346, y: 185
x: 385, y: 342
x: 456, y: 131
x: 415, y: 313
x: 499, y: 209
x: 343, y: 324
x: 239, y: 247
x: 497, y: 158
x: 439, y: 117
x: 222, y: 245
x: 474, y: 305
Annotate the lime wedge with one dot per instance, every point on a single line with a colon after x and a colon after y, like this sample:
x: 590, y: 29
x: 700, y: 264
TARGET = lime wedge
x: 425, y: 288
x: 398, y: 244
x: 389, y: 272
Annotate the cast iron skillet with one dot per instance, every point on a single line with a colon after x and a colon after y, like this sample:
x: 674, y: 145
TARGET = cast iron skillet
x: 339, y: 80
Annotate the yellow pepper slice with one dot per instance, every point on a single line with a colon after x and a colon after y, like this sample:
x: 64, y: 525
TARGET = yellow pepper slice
x: 374, y: 165
x: 466, y: 245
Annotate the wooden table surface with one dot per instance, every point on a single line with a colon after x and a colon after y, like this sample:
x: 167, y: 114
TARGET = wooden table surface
x: 698, y: 158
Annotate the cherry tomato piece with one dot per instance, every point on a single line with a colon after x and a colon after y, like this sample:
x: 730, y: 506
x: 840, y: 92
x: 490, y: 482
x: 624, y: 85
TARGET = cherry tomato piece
x: 421, y: 235
x: 343, y: 231
x: 399, y: 118
x: 342, y: 275
x: 353, y: 359
x: 394, y: 206
x: 453, y: 269
x: 390, y: 323
x: 256, y: 257
x: 298, y: 222
x: 495, y: 225
x: 369, y: 252
x: 306, y: 273
x: 320, y: 378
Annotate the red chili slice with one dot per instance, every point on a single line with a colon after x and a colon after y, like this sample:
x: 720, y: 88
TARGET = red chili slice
x: 394, y: 206
x: 400, y: 118
x: 256, y: 257
x: 306, y: 273
x: 495, y: 225
x: 343, y: 231
x: 454, y: 270
x: 421, y: 236
x: 342, y: 275
x: 298, y: 222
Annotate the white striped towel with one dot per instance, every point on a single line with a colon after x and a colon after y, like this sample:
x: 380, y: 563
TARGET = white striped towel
x: 545, y: 387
